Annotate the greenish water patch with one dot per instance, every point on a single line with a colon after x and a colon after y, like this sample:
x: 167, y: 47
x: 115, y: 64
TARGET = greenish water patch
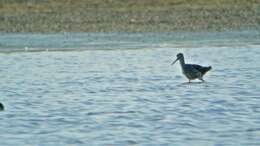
x: 10, y: 42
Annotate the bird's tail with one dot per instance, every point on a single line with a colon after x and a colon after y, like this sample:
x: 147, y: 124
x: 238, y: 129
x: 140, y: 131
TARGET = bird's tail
x: 209, y: 68
x: 206, y: 69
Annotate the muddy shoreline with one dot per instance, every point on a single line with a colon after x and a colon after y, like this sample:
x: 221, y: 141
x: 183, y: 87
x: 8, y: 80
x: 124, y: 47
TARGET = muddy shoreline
x: 45, y: 16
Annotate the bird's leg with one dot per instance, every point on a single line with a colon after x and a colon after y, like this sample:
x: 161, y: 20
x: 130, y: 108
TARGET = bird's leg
x: 201, y: 79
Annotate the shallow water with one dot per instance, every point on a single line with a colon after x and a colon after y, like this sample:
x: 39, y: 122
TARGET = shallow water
x: 120, y: 89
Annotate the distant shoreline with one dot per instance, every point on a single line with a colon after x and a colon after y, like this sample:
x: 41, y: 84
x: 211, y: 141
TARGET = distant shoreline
x: 51, y: 16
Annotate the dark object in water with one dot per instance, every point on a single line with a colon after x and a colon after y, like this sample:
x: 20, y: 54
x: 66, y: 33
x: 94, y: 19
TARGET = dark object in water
x: 192, y: 71
x: 1, y: 107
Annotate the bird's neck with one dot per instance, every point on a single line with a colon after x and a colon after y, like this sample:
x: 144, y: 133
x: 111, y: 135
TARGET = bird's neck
x: 182, y: 62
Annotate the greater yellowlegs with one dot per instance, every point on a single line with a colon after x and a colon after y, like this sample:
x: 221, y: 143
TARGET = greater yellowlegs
x: 192, y: 71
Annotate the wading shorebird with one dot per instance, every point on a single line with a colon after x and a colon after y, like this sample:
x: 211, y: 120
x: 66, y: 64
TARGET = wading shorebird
x: 191, y: 71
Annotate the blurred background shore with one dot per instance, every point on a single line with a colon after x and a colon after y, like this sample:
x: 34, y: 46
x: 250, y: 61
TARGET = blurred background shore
x: 46, y: 16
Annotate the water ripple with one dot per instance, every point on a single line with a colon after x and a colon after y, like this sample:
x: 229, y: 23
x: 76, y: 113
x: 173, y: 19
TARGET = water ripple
x: 130, y: 97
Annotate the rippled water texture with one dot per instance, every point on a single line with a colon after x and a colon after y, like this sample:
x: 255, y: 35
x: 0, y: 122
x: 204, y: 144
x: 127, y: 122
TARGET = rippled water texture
x: 120, y: 89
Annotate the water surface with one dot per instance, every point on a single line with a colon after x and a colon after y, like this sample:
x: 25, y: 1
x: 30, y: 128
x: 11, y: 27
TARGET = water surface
x: 120, y: 89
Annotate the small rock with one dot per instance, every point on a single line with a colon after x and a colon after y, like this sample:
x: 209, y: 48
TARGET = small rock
x: 1, y: 107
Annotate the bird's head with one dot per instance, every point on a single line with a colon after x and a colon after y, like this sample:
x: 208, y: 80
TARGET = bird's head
x: 179, y: 56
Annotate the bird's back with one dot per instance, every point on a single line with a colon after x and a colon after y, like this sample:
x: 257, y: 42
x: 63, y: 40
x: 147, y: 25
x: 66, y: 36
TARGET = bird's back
x: 201, y: 69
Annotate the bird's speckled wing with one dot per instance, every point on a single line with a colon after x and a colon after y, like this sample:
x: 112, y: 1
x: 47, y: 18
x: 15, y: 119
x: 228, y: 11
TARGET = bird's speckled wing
x: 191, y: 72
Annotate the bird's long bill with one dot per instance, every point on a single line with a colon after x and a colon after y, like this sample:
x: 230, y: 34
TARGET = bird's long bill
x: 174, y: 61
